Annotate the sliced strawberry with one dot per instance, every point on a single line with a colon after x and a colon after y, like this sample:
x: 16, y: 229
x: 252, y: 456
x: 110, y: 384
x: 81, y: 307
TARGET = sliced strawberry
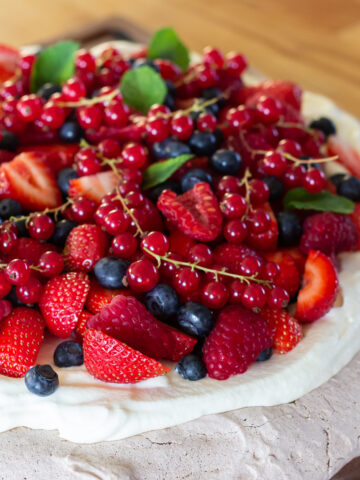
x: 348, y: 155
x: 99, y: 296
x: 29, y: 180
x: 9, y: 59
x: 109, y: 360
x: 286, y: 92
x: 81, y: 324
x: 84, y: 246
x: 319, y: 287
x: 57, y: 156
x: 62, y: 302
x: 289, y: 277
x: 196, y: 212
x: 21, y: 335
x: 298, y: 257
x: 127, y: 319
x: 355, y: 217
x: 94, y: 187
x: 266, y: 241
x: 287, y: 330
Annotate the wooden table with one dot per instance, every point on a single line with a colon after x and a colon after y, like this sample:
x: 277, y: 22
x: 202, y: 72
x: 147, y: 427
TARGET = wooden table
x: 315, y: 43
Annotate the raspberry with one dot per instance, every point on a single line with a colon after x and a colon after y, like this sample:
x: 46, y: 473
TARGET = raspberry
x: 330, y: 233
x: 231, y: 256
x: 196, y: 212
x: 235, y: 342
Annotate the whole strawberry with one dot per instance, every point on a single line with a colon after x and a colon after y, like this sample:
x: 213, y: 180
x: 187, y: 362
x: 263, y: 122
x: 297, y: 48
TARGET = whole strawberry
x: 84, y: 246
x: 235, y: 342
x: 21, y: 336
x: 62, y: 302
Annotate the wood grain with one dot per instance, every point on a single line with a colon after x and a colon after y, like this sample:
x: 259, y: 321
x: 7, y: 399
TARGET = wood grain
x: 316, y: 44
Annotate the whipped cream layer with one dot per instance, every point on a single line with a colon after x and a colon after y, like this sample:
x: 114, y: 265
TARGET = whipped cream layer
x: 86, y: 410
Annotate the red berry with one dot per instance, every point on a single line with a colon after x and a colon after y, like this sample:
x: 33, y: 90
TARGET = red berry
x: 8, y: 240
x: 116, y: 221
x: 87, y: 162
x: 5, y: 285
x: 89, y: 117
x: 73, y: 90
x: 215, y: 295
x: 233, y: 205
x: 259, y: 221
x: 168, y: 269
x: 116, y: 114
x: 134, y: 199
x: 213, y: 57
x: 82, y: 210
x: 26, y: 63
x: 29, y: 107
x: 17, y: 272
x: 124, y: 245
x: 85, y: 61
x: 134, y: 155
x: 235, y: 63
x: 249, y: 266
x: 270, y: 271
x: 253, y: 296
x: 168, y: 70
x: 142, y: 275
x: 237, y: 118
x: 314, y: 180
x: 294, y: 176
x: 157, y: 109
x: 53, y: 116
x: 156, y: 242
x: 200, y: 254
x: 235, y: 231
x: 157, y: 129
x: 109, y: 148
x: 206, y: 122
x: 274, y: 164
x: 102, y: 212
x: 14, y: 123
x: 228, y: 184
x: 259, y: 192
x: 30, y: 292
x: 182, y: 126
x: 277, y: 297
x: 235, y: 290
x: 206, y: 77
x: 268, y: 109
x: 289, y: 146
x: 128, y: 186
x: 51, y: 264
x: 41, y: 226
x: 186, y: 281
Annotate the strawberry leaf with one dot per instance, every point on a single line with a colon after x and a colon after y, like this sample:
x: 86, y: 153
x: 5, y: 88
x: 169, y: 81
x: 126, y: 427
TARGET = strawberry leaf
x: 166, y: 44
x: 142, y: 87
x: 300, y: 199
x: 55, y: 64
x: 160, y: 171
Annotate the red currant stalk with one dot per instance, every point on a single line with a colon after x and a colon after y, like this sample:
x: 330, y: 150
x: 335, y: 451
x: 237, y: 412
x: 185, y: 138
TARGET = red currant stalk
x: 56, y: 211
x: 194, y: 266
x: 86, y: 102
x: 127, y: 210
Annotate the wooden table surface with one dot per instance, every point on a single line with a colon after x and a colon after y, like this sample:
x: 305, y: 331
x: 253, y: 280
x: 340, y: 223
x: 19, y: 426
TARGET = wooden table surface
x: 315, y: 43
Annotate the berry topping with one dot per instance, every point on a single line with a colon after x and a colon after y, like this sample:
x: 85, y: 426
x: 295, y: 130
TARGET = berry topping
x: 227, y: 162
x: 162, y: 301
x: 68, y: 354
x: 42, y: 380
x: 287, y: 330
x: 195, y: 319
x: 191, y: 367
x: 84, y: 247
x: 289, y: 227
x: 236, y: 341
x: 110, y: 272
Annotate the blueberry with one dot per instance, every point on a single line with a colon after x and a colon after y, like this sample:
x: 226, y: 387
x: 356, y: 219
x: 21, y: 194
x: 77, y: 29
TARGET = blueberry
x: 155, y: 192
x: 191, y: 367
x: 219, y: 136
x: 48, y: 89
x: 226, y: 161
x: 62, y: 230
x: 145, y: 63
x: 171, y: 88
x: 196, y: 175
x: 214, y: 92
x: 169, y: 101
x: 21, y: 226
x: 68, y: 354
x: 70, y: 132
x: 203, y: 143
x: 265, y: 355
x: 309, y: 164
x: 9, y: 208
x: 337, y: 179
x: 8, y: 141
x: 162, y: 301
x: 42, y: 380
x: 290, y: 229
x: 195, y: 319
x: 350, y: 188
x: 169, y: 148
x: 276, y: 187
x: 13, y: 299
x: 64, y: 177
x: 110, y: 271
x: 324, y: 124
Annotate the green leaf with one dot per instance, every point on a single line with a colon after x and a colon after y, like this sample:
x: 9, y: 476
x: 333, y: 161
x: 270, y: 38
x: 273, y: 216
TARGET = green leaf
x: 55, y: 64
x: 166, y: 44
x: 142, y: 87
x: 300, y: 199
x: 160, y: 171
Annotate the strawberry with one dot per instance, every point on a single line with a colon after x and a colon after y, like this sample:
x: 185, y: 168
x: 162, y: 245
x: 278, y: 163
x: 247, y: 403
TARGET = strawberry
x: 94, y: 186
x: 81, y: 324
x: 319, y: 287
x: 289, y: 277
x: 29, y: 180
x: 62, y: 302
x: 298, y: 257
x: 84, y: 246
x: 99, y: 296
x: 355, y: 217
x: 127, y: 320
x: 21, y: 335
x: 286, y: 92
x: 57, y: 156
x: 109, y: 360
x: 348, y: 155
x: 196, y: 212
x: 287, y: 330
x: 9, y: 59
x: 266, y: 241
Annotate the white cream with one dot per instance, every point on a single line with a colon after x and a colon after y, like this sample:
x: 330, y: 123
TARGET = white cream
x: 86, y: 410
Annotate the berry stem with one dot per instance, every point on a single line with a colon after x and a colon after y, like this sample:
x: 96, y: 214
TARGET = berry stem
x: 56, y: 211
x: 139, y: 230
x: 87, y: 102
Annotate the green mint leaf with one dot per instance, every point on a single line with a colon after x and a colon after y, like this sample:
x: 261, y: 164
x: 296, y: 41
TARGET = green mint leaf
x: 142, y: 87
x: 300, y: 199
x: 166, y: 44
x: 160, y: 171
x: 55, y: 64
